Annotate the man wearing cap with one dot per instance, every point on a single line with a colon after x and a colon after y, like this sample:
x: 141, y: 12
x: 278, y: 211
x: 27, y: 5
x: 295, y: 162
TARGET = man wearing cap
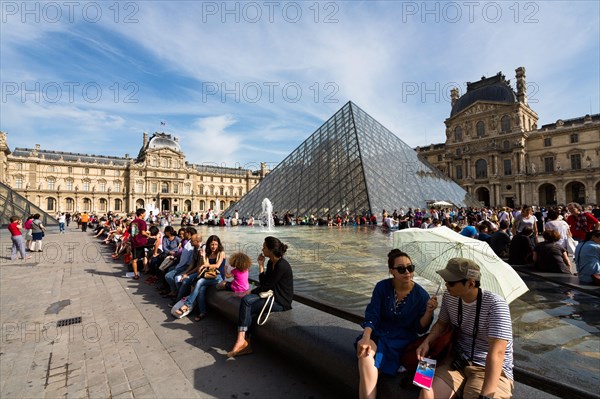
x: 483, y: 366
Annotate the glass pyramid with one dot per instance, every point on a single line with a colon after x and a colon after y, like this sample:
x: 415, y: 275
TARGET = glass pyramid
x: 14, y: 204
x: 352, y: 163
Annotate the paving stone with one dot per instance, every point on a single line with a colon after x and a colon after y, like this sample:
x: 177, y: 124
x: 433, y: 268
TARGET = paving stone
x: 144, y: 392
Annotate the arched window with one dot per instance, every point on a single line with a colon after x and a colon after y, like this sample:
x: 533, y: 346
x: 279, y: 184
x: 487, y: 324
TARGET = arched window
x: 505, y: 124
x: 70, y: 205
x: 118, y: 204
x: 458, y: 133
x: 212, y: 204
x: 480, y: 129
x: 202, y: 205
x: 481, y: 169
x: 222, y: 204
x: 222, y: 190
x: 164, y: 187
x: 87, y: 204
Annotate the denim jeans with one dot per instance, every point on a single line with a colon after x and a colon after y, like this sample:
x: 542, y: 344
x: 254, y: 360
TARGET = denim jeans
x: 61, y: 227
x: 185, y: 286
x: 199, y: 293
x: 18, y: 245
x: 170, y: 277
x: 251, y: 305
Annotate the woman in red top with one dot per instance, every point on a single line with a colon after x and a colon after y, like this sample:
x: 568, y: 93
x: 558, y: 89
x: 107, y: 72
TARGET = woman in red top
x: 17, y: 239
x: 580, y: 222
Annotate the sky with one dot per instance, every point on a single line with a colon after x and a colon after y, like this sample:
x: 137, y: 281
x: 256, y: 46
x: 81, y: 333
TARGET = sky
x: 246, y: 82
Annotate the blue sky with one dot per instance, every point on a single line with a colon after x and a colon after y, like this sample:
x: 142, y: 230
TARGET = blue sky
x: 245, y: 82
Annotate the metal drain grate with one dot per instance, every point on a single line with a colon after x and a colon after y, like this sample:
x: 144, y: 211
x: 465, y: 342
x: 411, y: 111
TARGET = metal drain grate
x: 68, y: 322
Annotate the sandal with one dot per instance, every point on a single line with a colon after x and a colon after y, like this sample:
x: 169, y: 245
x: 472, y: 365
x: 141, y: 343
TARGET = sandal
x: 136, y: 277
x: 200, y: 317
x: 181, y: 310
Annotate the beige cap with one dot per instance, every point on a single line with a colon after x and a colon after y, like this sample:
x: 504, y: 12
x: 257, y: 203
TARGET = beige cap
x: 460, y: 269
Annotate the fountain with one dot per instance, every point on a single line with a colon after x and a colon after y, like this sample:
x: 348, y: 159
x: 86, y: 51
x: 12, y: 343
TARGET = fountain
x: 266, y: 216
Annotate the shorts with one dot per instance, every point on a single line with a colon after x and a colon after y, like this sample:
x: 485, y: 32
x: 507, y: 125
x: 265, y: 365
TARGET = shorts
x: 469, y: 381
x: 139, y: 253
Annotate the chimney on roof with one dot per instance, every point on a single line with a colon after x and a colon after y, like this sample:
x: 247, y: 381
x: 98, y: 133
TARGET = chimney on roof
x: 521, y: 85
x: 145, y: 139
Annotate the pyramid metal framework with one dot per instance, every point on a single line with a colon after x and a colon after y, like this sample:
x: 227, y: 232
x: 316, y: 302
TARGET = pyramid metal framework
x: 14, y: 204
x: 352, y: 163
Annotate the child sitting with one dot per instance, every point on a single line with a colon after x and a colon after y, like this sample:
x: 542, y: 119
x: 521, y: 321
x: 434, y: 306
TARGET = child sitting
x: 240, y: 263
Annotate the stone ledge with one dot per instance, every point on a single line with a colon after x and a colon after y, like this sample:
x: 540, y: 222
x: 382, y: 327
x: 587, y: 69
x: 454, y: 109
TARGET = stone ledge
x: 322, y: 342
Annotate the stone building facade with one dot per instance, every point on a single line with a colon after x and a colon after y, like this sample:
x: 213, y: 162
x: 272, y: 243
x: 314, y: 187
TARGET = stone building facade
x: 159, y: 177
x: 496, y: 151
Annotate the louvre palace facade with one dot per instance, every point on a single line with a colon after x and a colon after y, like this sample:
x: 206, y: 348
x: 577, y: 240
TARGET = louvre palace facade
x: 495, y: 150
x: 159, y: 177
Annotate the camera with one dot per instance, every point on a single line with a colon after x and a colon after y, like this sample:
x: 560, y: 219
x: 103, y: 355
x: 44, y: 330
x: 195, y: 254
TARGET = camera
x: 460, y: 362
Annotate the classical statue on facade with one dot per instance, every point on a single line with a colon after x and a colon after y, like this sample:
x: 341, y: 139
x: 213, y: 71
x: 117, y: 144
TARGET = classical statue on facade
x: 533, y: 168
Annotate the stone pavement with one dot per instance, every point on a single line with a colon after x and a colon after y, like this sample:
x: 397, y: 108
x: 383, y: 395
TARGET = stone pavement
x: 127, y: 344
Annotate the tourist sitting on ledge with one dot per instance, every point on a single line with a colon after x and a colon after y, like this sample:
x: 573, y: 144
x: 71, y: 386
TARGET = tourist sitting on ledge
x: 521, y: 249
x: 549, y: 256
x: 276, y: 277
x: 399, y: 310
x: 587, y: 259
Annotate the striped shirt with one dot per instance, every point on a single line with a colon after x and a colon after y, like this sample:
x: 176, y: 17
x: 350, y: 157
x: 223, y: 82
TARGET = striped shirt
x: 494, y: 322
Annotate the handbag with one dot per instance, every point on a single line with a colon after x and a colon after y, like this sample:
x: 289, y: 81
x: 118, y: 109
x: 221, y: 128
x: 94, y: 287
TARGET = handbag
x: 208, y: 274
x: 270, y: 299
x: 438, y: 349
x: 166, y: 263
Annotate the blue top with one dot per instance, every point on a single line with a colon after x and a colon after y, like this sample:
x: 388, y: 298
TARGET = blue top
x: 587, y: 259
x: 394, y: 327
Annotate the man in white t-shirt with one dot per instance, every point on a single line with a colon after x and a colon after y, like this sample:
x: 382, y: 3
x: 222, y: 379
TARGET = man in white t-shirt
x: 483, y: 366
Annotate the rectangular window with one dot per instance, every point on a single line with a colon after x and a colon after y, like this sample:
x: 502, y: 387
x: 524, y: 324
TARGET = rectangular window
x: 102, y: 186
x: 439, y: 157
x: 154, y: 187
x: 139, y: 187
x: 86, y: 186
x: 70, y: 185
x: 50, y: 184
x: 187, y: 189
x: 576, y: 161
x: 103, y: 172
x: 459, y: 173
x: 507, y: 167
x: 175, y: 188
x: 118, y: 186
x: 547, y: 142
x: 574, y: 138
x: 549, y: 164
x: 19, y: 182
x: 70, y: 170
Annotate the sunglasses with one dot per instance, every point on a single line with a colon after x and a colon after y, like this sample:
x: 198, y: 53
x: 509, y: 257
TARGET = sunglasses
x: 453, y: 283
x: 404, y: 269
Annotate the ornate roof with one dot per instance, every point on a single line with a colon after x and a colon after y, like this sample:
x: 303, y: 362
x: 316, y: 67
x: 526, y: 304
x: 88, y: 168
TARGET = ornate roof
x: 496, y: 89
x: 158, y: 141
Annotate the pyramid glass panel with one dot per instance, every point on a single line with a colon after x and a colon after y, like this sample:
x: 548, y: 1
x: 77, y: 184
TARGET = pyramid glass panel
x: 352, y: 163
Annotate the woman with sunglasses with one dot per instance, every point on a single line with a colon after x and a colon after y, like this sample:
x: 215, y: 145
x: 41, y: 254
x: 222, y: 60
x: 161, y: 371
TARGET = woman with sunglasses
x: 399, y: 310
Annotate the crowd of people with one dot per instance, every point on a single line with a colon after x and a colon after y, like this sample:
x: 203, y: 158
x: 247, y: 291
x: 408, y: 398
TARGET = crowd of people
x: 182, y: 266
